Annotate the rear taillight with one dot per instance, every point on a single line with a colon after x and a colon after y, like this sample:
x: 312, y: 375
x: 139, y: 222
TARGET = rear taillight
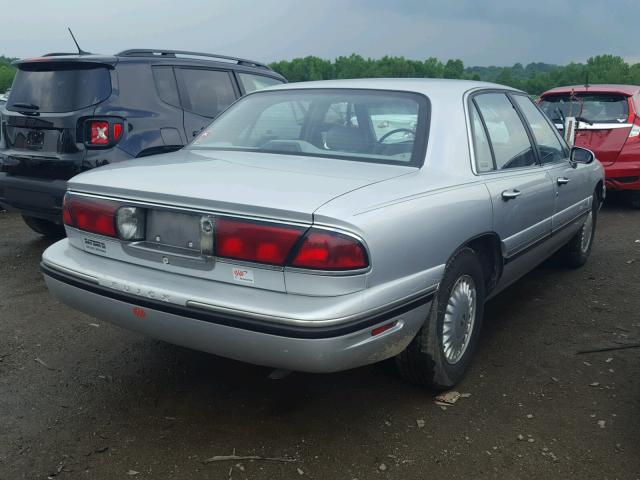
x: 99, y: 133
x: 103, y: 132
x: 90, y: 214
x: 255, y: 242
x: 274, y: 244
x: 327, y: 250
x: 634, y: 134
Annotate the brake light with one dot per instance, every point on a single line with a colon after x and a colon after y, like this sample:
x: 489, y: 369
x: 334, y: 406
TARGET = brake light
x: 324, y: 250
x: 90, y: 214
x: 117, y: 131
x: 101, y: 133
x: 255, y: 242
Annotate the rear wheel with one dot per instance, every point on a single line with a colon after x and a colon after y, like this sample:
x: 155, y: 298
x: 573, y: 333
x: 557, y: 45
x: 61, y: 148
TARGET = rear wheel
x: 634, y: 199
x: 439, y: 355
x: 44, y: 227
x: 577, y: 251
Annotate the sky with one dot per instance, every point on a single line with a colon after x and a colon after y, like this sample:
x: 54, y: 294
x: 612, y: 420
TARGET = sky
x: 480, y: 32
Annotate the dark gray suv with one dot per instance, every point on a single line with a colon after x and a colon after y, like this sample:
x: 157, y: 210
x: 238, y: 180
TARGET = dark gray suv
x: 68, y: 113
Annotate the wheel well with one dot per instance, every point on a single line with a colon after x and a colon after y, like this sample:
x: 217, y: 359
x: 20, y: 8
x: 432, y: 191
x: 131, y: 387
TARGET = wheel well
x: 489, y: 252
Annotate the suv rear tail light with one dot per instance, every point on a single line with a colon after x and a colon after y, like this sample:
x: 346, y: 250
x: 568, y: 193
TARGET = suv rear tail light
x: 103, y: 132
x: 90, y: 214
x: 255, y: 242
x: 99, y: 133
x: 130, y: 223
x: 324, y: 250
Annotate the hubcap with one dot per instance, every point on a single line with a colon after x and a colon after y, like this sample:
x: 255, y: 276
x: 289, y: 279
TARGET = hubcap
x: 459, y: 318
x: 587, y: 233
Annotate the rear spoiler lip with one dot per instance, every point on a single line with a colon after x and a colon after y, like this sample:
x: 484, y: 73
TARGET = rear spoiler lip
x: 97, y: 59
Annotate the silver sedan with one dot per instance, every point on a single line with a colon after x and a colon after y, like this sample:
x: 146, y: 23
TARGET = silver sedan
x: 327, y: 225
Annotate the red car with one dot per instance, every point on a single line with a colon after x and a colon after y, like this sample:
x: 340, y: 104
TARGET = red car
x: 609, y: 125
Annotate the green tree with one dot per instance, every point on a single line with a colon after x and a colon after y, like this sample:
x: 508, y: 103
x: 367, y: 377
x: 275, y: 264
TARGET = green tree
x: 453, y: 69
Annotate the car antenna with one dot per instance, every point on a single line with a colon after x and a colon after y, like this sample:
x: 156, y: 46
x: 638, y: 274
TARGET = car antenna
x: 80, y: 51
x: 586, y: 80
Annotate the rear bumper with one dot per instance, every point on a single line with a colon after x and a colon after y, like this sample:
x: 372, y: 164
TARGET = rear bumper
x: 36, y: 197
x: 288, y: 341
x: 623, y: 175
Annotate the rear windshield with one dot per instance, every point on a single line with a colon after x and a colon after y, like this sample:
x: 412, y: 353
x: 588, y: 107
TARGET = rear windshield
x: 66, y: 88
x: 594, y: 107
x: 362, y: 125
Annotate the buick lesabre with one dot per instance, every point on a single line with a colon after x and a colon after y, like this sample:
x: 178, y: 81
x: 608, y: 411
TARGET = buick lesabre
x: 327, y: 225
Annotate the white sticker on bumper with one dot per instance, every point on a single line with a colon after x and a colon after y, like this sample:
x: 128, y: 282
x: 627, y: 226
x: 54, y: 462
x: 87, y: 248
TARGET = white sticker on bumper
x: 242, y: 275
x: 94, y: 246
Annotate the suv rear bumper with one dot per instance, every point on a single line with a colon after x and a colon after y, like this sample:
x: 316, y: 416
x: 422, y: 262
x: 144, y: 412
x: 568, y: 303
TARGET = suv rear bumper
x: 623, y: 175
x: 36, y: 197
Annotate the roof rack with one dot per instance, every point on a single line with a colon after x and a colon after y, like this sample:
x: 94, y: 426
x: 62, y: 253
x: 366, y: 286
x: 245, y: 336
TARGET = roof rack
x: 59, y: 54
x: 137, y: 52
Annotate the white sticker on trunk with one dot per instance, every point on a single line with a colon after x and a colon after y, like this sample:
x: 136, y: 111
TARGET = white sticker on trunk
x: 242, y: 275
x: 94, y: 246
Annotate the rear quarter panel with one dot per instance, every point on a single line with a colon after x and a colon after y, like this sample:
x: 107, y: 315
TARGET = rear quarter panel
x: 414, y: 234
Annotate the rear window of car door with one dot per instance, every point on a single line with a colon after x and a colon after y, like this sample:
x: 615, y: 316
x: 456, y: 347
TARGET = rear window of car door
x: 251, y: 83
x: 550, y: 147
x: 166, y: 85
x: 507, y: 134
x: 205, y: 92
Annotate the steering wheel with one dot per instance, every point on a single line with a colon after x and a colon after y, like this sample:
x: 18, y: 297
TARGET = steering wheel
x: 392, y: 132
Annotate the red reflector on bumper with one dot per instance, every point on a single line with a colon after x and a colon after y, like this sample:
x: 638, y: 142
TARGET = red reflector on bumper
x: 383, y: 328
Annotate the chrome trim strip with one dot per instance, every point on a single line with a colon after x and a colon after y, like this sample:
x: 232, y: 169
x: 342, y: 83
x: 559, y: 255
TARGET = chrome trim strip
x: 186, y: 210
x: 332, y: 321
x: 71, y: 272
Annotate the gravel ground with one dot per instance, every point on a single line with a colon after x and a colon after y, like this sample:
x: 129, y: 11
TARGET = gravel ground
x: 83, y: 399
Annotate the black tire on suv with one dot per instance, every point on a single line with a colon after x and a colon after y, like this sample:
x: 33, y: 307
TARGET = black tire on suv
x: 44, y: 227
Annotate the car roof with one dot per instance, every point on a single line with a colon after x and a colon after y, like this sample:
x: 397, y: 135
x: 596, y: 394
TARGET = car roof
x: 168, y: 57
x: 596, y: 88
x: 426, y: 86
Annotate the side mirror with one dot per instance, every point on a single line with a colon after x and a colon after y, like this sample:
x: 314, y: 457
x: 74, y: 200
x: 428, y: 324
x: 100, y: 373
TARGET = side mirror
x: 581, y: 155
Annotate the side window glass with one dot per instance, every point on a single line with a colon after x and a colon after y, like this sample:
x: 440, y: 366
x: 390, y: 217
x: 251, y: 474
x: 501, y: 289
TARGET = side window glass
x: 251, y: 83
x: 509, y: 139
x: 206, y: 92
x: 481, y: 148
x: 281, y: 121
x: 549, y: 145
x: 166, y: 86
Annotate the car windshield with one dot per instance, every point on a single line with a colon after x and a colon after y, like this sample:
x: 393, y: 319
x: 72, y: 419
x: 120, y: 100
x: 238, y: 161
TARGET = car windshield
x: 44, y: 87
x: 362, y: 125
x: 595, y: 108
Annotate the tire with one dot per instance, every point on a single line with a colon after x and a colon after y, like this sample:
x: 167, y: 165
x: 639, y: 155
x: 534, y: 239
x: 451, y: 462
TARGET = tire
x: 576, y: 252
x: 426, y: 361
x: 634, y: 199
x: 44, y: 227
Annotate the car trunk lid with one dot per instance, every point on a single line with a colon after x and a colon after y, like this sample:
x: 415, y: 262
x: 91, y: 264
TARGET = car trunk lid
x: 283, y: 187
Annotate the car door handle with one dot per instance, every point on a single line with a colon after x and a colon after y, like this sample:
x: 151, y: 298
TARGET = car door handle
x: 562, y: 180
x: 511, y: 194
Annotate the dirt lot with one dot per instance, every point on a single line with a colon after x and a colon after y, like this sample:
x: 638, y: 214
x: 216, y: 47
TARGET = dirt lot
x: 82, y: 399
